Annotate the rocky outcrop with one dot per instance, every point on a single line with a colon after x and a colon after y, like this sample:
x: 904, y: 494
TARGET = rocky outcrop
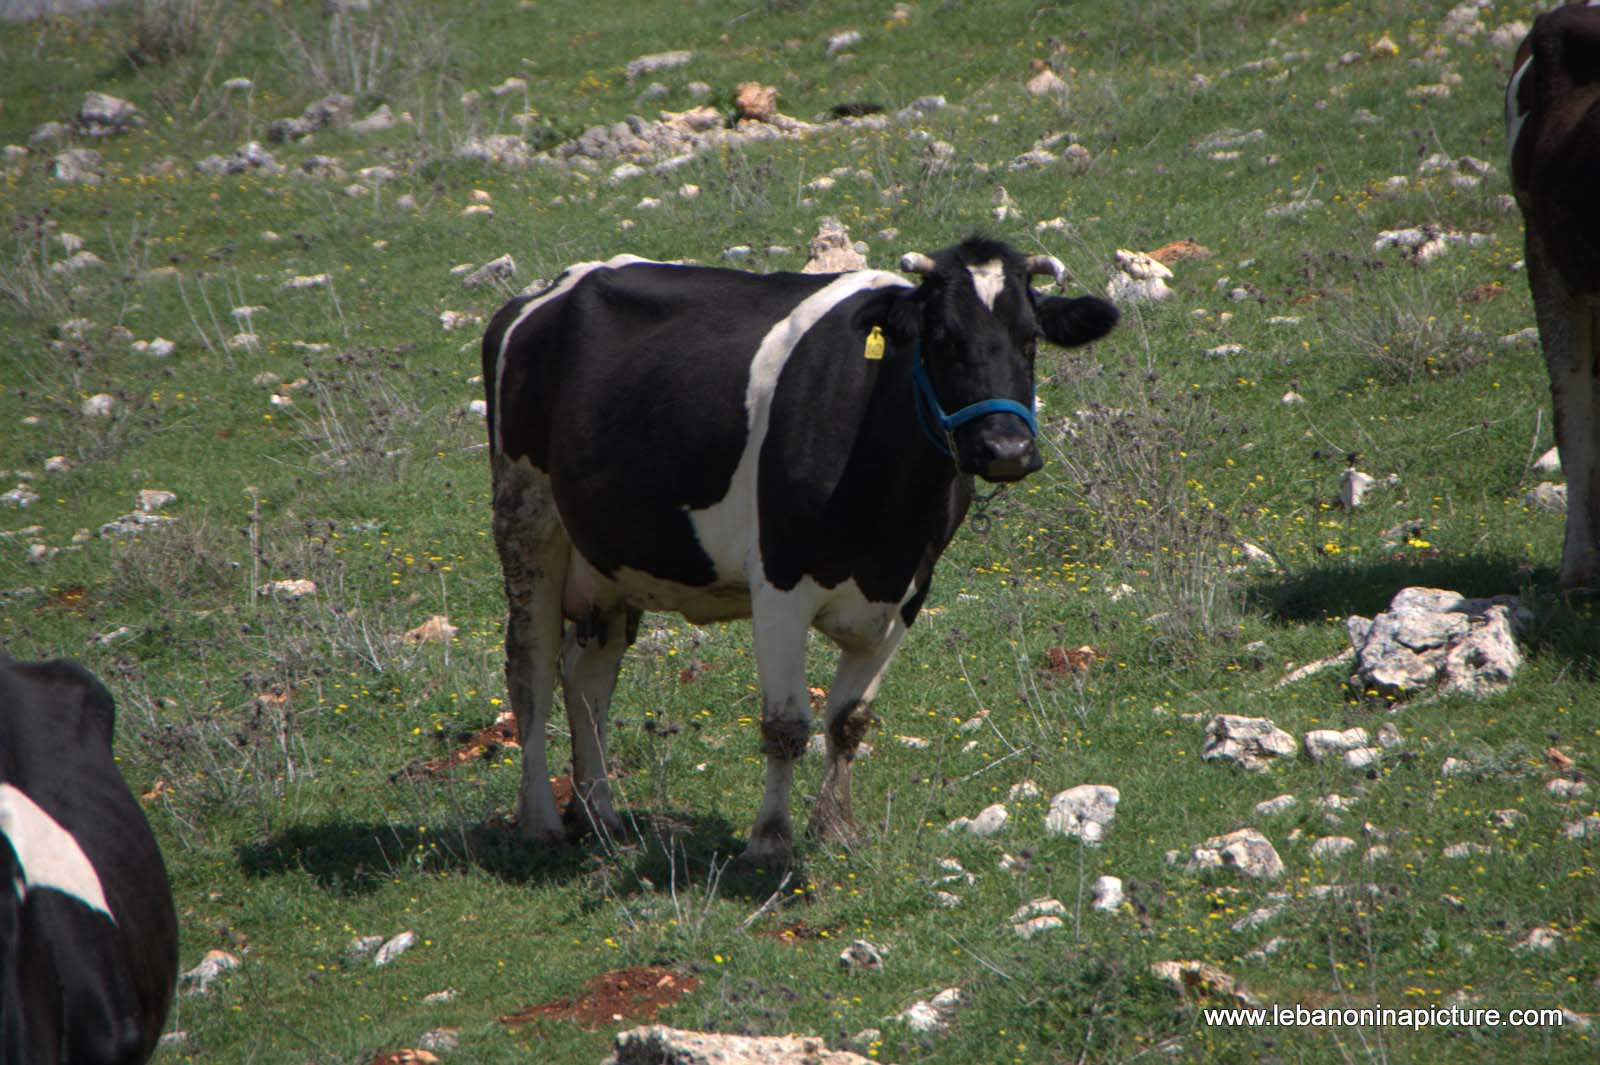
x: 1433, y: 639
x: 656, y: 1043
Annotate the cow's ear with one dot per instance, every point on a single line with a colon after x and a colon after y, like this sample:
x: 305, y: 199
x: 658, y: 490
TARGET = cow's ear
x: 896, y: 312
x: 1070, y: 322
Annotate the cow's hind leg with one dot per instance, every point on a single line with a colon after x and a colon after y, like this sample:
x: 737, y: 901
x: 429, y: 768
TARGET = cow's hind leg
x: 589, y: 665
x: 848, y: 715
x: 1567, y: 332
x: 533, y: 556
x: 780, y: 621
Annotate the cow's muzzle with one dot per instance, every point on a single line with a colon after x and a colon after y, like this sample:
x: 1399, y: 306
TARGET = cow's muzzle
x: 996, y: 438
x: 998, y: 456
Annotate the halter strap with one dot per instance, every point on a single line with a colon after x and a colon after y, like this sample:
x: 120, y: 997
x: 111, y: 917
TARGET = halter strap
x: 930, y: 414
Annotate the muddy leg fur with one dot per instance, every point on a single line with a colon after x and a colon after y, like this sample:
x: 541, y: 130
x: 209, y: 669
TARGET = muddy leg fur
x: 848, y: 715
x: 779, y: 621
x: 533, y: 557
x: 590, y: 661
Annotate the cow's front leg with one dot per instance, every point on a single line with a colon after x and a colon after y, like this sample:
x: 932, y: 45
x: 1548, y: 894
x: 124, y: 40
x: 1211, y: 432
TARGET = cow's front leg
x: 848, y: 715
x: 589, y: 664
x: 533, y: 555
x: 780, y: 621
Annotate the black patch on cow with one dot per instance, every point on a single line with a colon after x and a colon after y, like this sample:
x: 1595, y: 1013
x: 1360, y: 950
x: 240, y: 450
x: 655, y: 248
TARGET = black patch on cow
x: 849, y: 487
x: 56, y: 725
x: 629, y: 390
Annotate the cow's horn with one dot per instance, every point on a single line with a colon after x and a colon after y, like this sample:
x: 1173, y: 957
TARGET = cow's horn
x: 914, y: 262
x: 1047, y: 264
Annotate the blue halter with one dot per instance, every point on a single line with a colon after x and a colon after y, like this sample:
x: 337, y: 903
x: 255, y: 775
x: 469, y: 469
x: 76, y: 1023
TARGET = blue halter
x: 929, y: 413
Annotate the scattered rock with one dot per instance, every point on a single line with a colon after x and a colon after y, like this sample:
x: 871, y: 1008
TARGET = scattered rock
x: 21, y: 497
x: 440, y: 998
x: 1586, y: 828
x: 198, y: 981
x: 99, y: 405
x: 655, y: 63
x: 832, y: 251
x: 77, y: 166
x: 1260, y: 915
x: 1562, y: 788
x: 1246, y: 741
x: 1362, y: 757
x: 756, y: 102
x: 1324, y: 743
x: 1036, y: 926
x: 1461, y: 851
x: 1202, y: 979
x: 1353, y: 487
x: 1107, y: 894
x: 1332, y: 847
x: 1267, y: 949
x: 1432, y: 638
x: 1085, y: 811
x: 395, y: 947
x: 500, y: 149
x: 1539, y: 940
x: 1244, y: 850
x: 1548, y: 497
x: 656, y: 1044
x: 840, y: 42
x: 925, y: 1017
x: 1549, y: 463
x: 305, y: 281
x: 988, y: 822
x: 101, y: 115
x: 501, y: 269
x: 1272, y: 807
x: 1045, y: 82
x: 861, y: 956
x: 1136, y: 276
x: 1421, y: 244
x: 1389, y: 736
x: 293, y: 588
x: 327, y: 111
x: 248, y: 157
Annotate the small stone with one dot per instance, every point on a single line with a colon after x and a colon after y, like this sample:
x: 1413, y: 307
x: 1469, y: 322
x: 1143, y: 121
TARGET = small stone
x: 99, y: 405
x: 57, y: 464
x: 1389, y: 736
x: 1549, y: 462
x: 1548, y: 497
x: 155, y: 498
x: 437, y: 629
x: 444, y: 1039
x: 1107, y: 894
x: 1508, y: 818
x: 1353, y: 487
x: 1244, y: 850
x: 1085, y: 811
x: 1376, y: 853
x: 1461, y: 851
x: 946, y: 900
x: 293, y: 588
x: 198, y: 981
x: 439, y: 998
x: 1036, y: 926
x: 1022, y: 791
x: 861, y: 956
x: 1541, y: 940
x: 1332, y: 847
x: 1202, y: 978
x: 1587, y: 828
x: 1045, y: 907
x: 296, y: 284
x: 1257, y: 917
x: 1292, y: 398
x: 501, y: 269
x: 1321, y: 744
x: 1245, y: 741
x: 1562, y: 788
x: 1362, y: 757
x: 1282, y: 804
x: 394, y: 948
x: 361, y: 948
x: 1455, y: 767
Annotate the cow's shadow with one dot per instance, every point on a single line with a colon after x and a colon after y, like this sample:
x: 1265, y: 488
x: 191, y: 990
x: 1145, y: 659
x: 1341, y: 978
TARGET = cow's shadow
x: 353, y: 858
x: 1562, y: 623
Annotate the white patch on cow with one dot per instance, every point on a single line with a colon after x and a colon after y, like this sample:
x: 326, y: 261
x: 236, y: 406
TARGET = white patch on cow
x: 988, y: 278
x: 729, y: 529
x: 1514, y: 117
x: 563, y: 285
x: 48, y: 854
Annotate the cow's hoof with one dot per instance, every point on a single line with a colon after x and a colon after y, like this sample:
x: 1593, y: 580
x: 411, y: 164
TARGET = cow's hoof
x: 769, y: 854
x: 834, y: 829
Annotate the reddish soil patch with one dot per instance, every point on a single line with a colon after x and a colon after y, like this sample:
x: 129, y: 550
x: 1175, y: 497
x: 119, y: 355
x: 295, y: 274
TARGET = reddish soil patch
x: 485, y: 744
x: 694, y: 672
x: 626, y: 994
x: 73, y: 600
x: 1486, y: 291
x: 1063, y: 660
x: 1180, y: 251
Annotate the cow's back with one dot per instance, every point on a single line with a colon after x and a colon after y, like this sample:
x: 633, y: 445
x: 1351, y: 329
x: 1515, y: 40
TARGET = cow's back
x: 637, y: 390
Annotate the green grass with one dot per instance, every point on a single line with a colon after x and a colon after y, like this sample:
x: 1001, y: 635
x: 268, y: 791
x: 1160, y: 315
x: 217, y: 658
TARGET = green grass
x: 287, y: 827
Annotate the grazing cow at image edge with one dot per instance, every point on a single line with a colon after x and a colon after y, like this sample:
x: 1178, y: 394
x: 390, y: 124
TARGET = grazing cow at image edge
x: 88, y: 935
x: 725, y: 444
x: 1553, y: 134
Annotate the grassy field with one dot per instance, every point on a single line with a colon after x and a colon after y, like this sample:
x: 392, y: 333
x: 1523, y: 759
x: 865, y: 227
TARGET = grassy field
x: 270, y: 735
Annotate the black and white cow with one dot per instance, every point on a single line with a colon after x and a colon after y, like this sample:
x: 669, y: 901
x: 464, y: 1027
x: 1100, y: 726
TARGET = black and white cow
x: 1553, y: 130
x: 726, y: 444
x: 88, y: 936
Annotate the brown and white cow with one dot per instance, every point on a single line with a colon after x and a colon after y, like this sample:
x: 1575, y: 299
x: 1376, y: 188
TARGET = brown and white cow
x: 1553, y: 133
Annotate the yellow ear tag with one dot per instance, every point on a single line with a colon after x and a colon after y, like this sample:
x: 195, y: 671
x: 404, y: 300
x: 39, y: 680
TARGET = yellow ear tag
x: 874, y: 344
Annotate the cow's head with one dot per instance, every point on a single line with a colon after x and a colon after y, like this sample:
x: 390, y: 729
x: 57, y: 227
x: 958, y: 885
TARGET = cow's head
x: 971, y: 327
